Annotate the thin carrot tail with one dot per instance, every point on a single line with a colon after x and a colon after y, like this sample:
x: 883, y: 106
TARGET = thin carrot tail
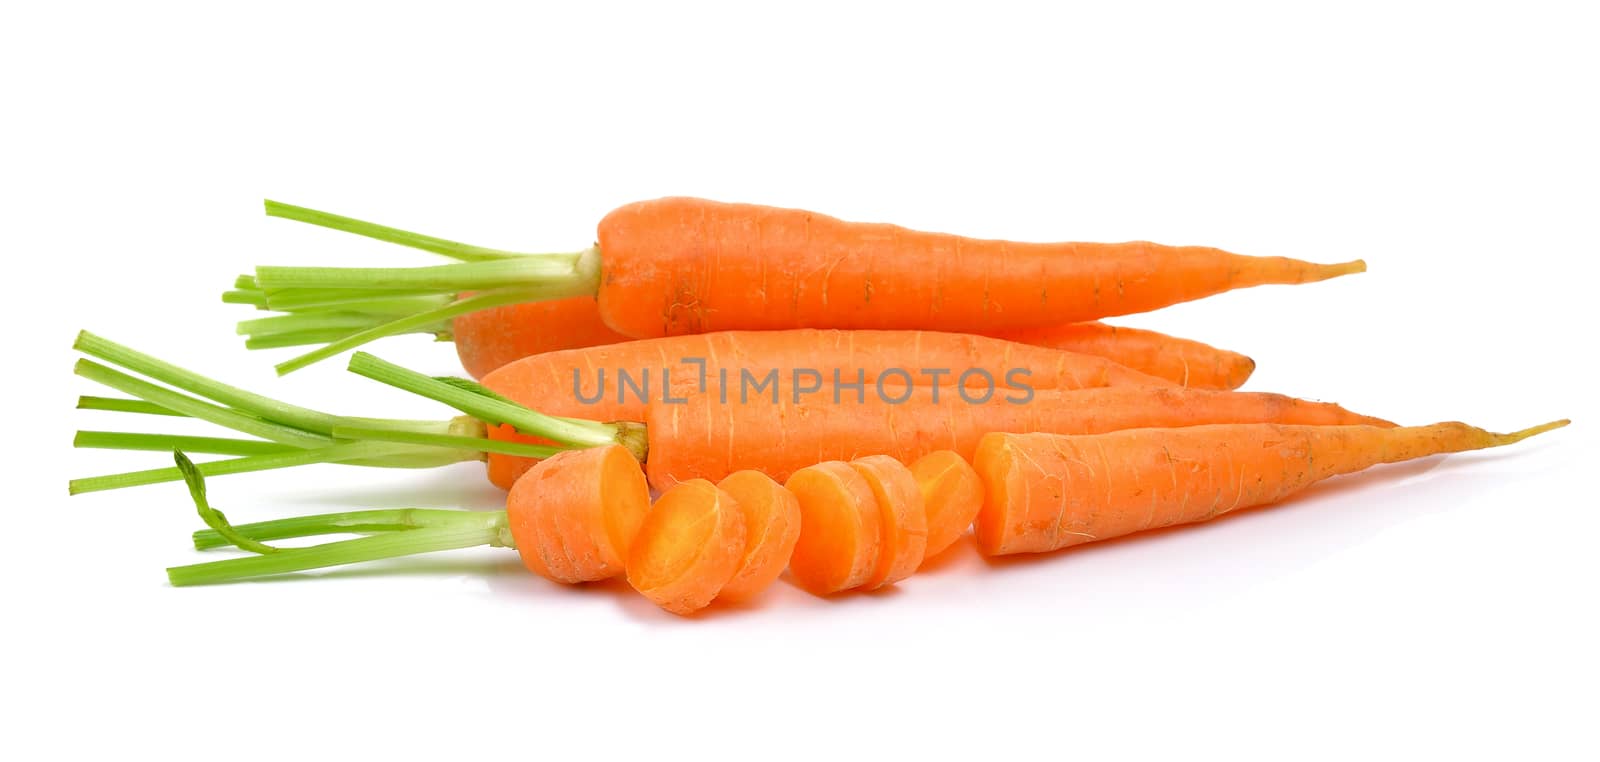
x: 1325, y: 272
x: 1501, y: 440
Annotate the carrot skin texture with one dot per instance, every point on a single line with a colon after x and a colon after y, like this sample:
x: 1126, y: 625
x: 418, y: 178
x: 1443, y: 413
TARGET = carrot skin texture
x: 488, y: 339
x: 677, y: 266
x: 1182, y: 361
x: 903, y: 537
x: 688, y: 548
x: 952, y: 494
x: 772, y: 526
x: 839, y: 528
x: 705, y: 438
x: 1045, y: 492
x: 574, y: 515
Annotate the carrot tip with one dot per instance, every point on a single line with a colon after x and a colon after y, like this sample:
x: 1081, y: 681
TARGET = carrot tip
x: 1343, y: 268
x: 1518, y: 436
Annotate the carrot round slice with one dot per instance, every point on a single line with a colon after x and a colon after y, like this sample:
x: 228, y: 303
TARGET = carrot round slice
x: 772, y: 526
x: 904, y: 524
x: 688, y: 548
x: 839, y: 528
x: 573, y: 515
x: 952, y: 493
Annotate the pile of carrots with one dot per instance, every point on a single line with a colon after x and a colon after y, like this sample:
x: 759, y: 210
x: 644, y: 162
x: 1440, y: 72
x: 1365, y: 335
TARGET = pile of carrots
x: 906, y: 386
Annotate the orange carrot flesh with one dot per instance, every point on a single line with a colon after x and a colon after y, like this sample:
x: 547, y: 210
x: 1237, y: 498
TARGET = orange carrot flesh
x: 682, y: 265
x: 574, y: 515
x: 840, y: 526
x: 951, y: 496
x: 1182, y: 361
x: 903, y: 522
x: 488, y: 339
x: 689, y: 547
x: 772, y: 526
x: 1045, y: 492
x: 705, y: 438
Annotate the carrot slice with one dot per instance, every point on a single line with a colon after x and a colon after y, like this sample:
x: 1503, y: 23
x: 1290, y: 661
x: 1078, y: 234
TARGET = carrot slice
x: 573, y: 515
x: 839, y: 528
x: 772, y: 526
x: 952, y: 493
x: 688, y: 548
x: 904, y: 525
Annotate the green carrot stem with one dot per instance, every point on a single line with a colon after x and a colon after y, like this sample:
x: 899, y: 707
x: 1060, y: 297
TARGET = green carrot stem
x: 569, y: 431
x: 241, y: 296
x: 348, y: 522
x: 462, y: 276
x: 377, y: 454
x: 302, y: 299
x: 476, y: 444
x: 461, y: 251
x: 183, y: 403
x: 245, y: 283
x: 119, y: 405
x: 411, y: 323
x: 296, y: 339
x: 119, y: 440
x: 246, y: 402
x: 213, y: 517
x: 295, y: 322
x: 492, y: 530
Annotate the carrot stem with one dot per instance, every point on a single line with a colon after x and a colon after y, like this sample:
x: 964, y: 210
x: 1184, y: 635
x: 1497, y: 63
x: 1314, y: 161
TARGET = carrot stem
x: 228, y: 418
x: 118, y: 440
x: 120, y: 405
x: 348, y: 522
x: 491, y: 530
x: 245, y: 296
x: 462, y: 276
x: 399, y: 301
x: 453, y: 249
x: 375, y: 454
x: 476, y: 444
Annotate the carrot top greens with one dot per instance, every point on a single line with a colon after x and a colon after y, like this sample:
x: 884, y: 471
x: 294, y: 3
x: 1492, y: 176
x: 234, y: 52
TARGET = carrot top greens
x: 282, y: 435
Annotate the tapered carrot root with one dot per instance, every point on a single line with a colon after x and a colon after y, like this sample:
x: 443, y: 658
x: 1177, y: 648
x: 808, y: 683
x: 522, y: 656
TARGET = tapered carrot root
x: 903, y: 525
x: 689, y: 547
x: 494, y: 337
x: 772, y: 526
x: 1182, y: 361
x: 1045, y: 492
x: 743, y: 266
x: 951, y: 496
x: 705, y: 438
x: 574, y: 515
x: 840, y: 527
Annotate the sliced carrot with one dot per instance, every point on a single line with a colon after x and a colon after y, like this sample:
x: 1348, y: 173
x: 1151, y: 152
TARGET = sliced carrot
x: 575, y: 514
x: 952, y: 493
x: 688, y: 548
x: 904, y: 525
x: 839, y: 528
x: 772, y: 526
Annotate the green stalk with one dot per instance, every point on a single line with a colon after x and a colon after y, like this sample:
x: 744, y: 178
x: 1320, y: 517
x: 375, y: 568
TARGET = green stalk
x: 183, y: 403
x: 246, y: 402
x: 476, y: 444
x: 242, y: 296
x: 118, y: 440
x: 526, y: 271
x: 245, y: 283
x: 349, y: 522
x: 569, y: 431
x: 296, y: 322
x: 301, y: 299
x: 461, y: 251
x: 378, y: 454
x: 490, y: 530
x: 119, y: 405
x: 296, y: 339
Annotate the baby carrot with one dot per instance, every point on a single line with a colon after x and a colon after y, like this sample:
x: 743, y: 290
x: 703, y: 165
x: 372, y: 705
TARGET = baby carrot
x: 772, y: 526
x: 688, y: 548
x: 682, y: 265
x: 1045, y: 492
x: 951, y: 495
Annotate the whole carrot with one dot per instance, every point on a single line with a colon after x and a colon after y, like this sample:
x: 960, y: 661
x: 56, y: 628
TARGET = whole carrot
x: 1044, y: 492
x: 682, y: 265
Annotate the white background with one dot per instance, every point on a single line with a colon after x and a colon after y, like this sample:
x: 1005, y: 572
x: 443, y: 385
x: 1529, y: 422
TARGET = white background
x: 1438, y: 607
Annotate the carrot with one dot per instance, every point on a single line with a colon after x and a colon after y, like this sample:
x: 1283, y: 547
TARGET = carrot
x: 1045, y: 492
x: 706, y: 438
x: 494, y: 337
x: 697, y: 436
x: 840, y: 527
x: 951, y: 496
x: 578, y: 512
x: 688, y: 548
x: 681, y: 265
x: 574, y: 521
x: 1182, y: 361
x: 903, y: 521
x: 772, y: 526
